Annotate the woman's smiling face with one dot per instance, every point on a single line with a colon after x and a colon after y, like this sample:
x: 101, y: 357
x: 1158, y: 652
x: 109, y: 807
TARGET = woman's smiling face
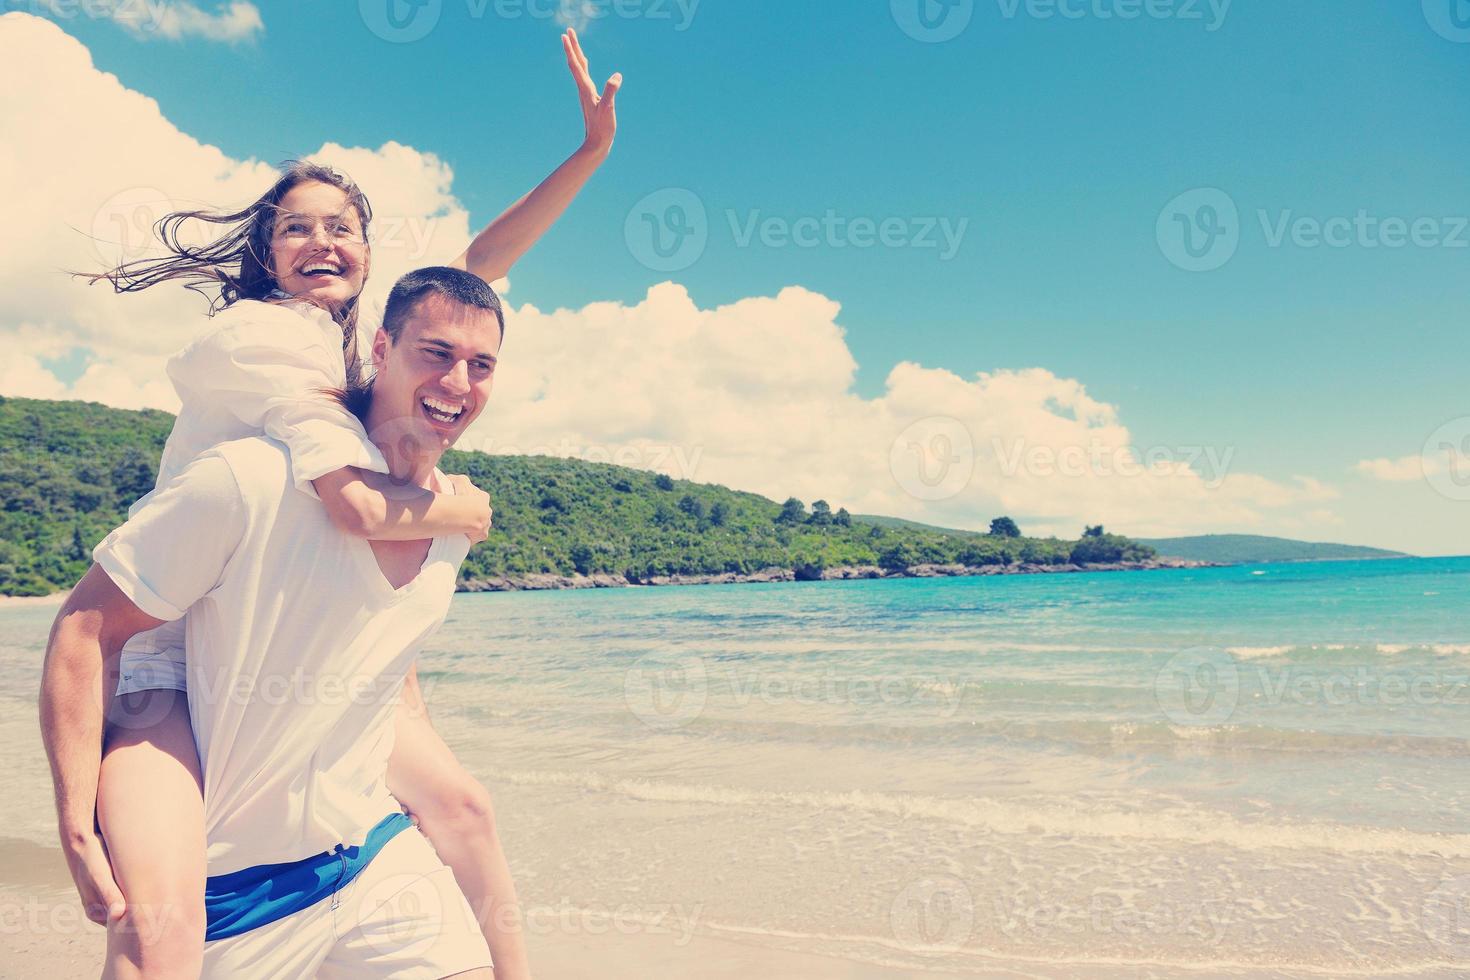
x: 318, y: 248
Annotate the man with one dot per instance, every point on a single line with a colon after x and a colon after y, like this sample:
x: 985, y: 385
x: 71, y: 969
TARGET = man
x: 299, y: 641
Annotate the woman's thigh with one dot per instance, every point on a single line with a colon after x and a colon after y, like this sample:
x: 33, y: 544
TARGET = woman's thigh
x: 150, y: 808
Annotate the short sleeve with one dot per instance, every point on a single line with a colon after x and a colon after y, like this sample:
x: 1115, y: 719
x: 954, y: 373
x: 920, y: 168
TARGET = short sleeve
x: 175, y: 549
x: 273, y: 368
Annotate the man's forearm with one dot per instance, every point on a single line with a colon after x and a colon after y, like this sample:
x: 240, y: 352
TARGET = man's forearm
x: 72, y: 713
x: 81, y: 653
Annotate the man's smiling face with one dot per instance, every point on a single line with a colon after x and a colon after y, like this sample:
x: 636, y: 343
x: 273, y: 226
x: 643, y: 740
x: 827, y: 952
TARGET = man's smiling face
x: 434, y: 381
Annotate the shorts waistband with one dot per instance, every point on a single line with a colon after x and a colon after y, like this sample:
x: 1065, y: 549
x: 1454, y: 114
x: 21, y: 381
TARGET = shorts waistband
x: 252, y: 897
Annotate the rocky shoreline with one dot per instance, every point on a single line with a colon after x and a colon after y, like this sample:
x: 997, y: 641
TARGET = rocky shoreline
x: 602, y: 580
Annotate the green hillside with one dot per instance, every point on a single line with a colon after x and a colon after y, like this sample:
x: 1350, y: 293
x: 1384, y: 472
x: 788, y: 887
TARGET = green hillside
x: 883, y: 521
x: 69, y: 470
x: 1252, y: 548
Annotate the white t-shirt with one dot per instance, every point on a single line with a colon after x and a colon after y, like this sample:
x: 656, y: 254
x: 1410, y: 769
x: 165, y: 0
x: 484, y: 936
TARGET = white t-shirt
x: 298, y: 647
x: 263, y: 368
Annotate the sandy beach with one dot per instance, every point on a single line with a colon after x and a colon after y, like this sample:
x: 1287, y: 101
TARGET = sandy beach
x: 22, y: 601
x: 924, y: 778
x: 46, y: 935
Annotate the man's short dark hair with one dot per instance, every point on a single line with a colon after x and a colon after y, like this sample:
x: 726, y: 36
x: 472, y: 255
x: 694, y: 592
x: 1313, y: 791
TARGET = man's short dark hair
x: 462, y: 287
x: 458, y: 285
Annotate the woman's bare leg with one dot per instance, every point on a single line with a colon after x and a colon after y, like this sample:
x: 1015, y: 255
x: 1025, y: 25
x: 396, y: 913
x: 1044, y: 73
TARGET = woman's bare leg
x: 455, y: 813
x: 150, y: 808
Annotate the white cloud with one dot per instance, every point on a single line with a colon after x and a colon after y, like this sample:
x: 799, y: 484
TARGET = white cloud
x: 237, y: 21
x: 92, y: 165
x: 172, y: 20
x: 757, y: 394
x: 576, y: 14
x: 1405, y: 469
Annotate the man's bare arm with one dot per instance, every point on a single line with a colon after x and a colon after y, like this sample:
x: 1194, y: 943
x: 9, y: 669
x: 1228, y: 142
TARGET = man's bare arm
x: 81, y: 655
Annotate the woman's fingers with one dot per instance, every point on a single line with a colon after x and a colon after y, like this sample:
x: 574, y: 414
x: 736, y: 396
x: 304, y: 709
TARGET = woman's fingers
x: 612, y: 86
x: 577, y: 46
x: 578, y: 68
x: 574, y: 64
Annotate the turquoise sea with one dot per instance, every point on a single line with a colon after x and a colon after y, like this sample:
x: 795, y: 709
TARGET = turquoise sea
x: 1248, y: 771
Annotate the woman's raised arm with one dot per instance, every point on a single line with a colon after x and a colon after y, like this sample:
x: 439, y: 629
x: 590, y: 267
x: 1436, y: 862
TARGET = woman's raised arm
x: 507, y: 238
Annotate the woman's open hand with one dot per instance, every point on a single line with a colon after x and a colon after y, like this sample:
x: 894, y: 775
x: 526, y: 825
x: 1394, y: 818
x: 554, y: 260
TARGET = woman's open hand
x: 598, y: 112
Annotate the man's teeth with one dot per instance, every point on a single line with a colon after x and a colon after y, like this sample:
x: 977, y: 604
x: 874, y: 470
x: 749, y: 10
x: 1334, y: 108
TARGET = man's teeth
x: 442, y: 411
x: 313, y: 270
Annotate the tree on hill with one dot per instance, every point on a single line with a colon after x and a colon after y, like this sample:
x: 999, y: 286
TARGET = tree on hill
x: 663, y: 481
x: 821, y: 513
x: 842, y: 518
x: 792, y: 512
x: 1004, y: 527
x: 132, y: 477
x: 1093, y: 531
x: 898, y: 556
x: 1100, y: 547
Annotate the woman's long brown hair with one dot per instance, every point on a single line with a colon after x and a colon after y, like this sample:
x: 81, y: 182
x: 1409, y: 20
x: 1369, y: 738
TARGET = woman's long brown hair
x: 237, y: 264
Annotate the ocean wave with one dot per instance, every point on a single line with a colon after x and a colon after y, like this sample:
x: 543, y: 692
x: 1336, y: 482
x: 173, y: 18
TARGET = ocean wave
x: 1254, y: 653
x: 939, y: 956
x: 1365, y: 648
x: 1094, y: 733
x: 1014, y: 818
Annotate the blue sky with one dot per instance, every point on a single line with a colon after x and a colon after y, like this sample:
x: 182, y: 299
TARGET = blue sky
x: 1057, y: 140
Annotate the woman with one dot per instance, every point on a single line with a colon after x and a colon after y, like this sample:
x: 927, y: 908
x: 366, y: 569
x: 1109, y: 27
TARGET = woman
x: 288, y: 274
